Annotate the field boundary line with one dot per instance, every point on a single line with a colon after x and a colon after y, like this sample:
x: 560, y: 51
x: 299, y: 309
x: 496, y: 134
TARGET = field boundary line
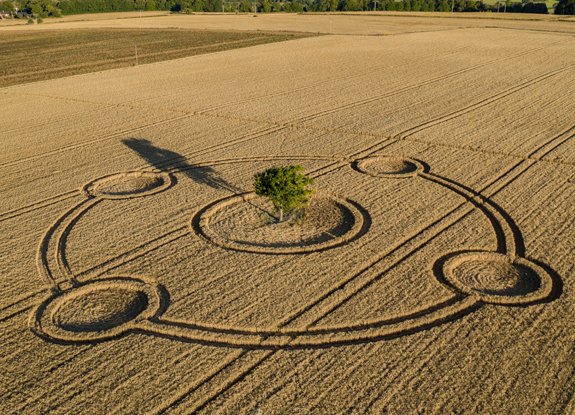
x: 126, y: 58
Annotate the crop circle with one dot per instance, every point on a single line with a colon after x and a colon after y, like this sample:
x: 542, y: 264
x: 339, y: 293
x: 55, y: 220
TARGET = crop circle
x: 389, y: 166
x: 98, y: 310
x: 246, y: 223
x: 498, y: 279
x: 127, y: 185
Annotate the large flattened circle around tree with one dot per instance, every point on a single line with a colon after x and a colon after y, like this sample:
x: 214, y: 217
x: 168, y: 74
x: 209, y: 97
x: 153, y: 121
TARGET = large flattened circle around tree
x: 246, y: 223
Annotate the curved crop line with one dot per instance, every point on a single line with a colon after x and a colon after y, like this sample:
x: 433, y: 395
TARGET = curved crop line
x: 60, y: 253
x: 184, y: 331
x: 278, y: 332
x: 42, y: 252
x: 506, y: 243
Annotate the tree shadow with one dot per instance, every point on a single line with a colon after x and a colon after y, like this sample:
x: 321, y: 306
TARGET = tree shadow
x: 170, y: 161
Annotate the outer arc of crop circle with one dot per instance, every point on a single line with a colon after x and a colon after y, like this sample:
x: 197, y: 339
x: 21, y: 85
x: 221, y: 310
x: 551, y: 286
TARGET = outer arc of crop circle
x: 41, y: 320
x: 360, y: 165
x: 254, y: 339
x: 168, y: 181
x: 387, y: 329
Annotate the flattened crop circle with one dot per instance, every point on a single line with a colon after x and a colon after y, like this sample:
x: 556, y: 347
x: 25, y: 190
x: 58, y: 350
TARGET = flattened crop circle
x: 127, y: 185
x: 98, y: 310
x: 498, y: 279
x: 390, y: 166
x: 101, y: 308
x: 245, y: 223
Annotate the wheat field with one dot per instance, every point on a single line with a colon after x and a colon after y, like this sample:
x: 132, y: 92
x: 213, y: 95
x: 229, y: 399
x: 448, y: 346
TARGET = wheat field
x: 434, y: 273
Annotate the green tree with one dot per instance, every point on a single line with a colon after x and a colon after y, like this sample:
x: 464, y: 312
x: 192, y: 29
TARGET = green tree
x: 285, y: 187
x: 244, y: 7
x: 565, y: 7
x: 538, y: 8
x: 444, y: 7
x: 7, y: 6
x: 213, y: 6
x: 296, y: 7
x: 265, y: 6
x: 350, y: 5
x: 36, y: 9
x: 327, y: 5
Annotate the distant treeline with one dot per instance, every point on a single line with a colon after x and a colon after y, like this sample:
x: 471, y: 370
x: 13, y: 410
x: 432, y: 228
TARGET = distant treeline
x: 426, y: 6
x: 56, y: 8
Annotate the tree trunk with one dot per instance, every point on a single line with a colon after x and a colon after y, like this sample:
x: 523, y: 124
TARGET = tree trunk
x: 281, y: 214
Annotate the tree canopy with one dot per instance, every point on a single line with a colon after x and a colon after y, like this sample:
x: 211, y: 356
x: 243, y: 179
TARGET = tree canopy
x: 285, y: 187
x: 565, y: 7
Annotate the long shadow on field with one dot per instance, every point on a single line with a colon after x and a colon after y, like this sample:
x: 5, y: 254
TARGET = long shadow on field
x: 170, y: 161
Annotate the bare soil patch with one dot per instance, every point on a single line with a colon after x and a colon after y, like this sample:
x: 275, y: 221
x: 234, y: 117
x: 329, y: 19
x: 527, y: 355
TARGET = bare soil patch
x: 50, y: 54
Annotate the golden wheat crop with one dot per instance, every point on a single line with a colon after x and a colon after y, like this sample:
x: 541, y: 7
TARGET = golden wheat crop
x: 134, y: 279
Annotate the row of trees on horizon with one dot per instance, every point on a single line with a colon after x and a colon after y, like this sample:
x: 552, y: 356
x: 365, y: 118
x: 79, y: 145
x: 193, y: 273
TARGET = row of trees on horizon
x: 56, y: 8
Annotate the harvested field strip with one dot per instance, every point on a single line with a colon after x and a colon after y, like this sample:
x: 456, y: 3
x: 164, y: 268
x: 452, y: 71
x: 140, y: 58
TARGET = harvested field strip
x: 359, y: 77
x: 426, y: 82
x: 58, y: 53
x: 145, y: 58
x: 293, y: 123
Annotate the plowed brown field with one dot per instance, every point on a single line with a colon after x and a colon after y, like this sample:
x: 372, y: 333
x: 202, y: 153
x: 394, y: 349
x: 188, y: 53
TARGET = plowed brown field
x: 435, y: 274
